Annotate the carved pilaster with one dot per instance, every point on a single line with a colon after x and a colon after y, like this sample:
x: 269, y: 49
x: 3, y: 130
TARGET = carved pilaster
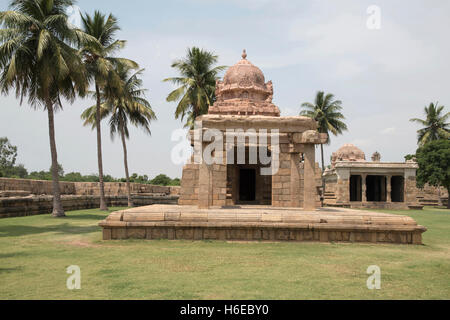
x: 309, y: 189
x: 364, y: 187
x: 388, y: 188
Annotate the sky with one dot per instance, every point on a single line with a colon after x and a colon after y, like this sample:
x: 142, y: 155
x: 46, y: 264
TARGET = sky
x: 384, y: 76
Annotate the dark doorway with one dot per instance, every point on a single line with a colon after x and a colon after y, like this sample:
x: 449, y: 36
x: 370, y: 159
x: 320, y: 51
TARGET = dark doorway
x: 247, y: 185
x: 355, y: 188
x: 376, y: 188
x: 398, y: 189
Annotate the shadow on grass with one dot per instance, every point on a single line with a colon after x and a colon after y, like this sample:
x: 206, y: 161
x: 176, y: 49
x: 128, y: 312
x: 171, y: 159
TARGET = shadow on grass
x: 13, y: 255
x: 10, y: 270
x: 17, y: 231
x: 96, y: 217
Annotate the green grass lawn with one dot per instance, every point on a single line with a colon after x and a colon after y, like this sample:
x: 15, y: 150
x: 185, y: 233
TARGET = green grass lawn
x: 35, y: 252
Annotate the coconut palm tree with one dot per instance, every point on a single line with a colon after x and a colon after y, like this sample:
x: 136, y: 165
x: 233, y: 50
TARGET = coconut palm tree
x: 38, y: 61
x: 197, y: 83
x: 326, y: 111
x: 101, y: 66
x: 123, y: 107
x: 435, y: 125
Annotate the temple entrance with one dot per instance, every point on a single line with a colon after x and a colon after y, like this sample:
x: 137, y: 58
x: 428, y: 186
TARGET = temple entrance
x: 398, y: 189
x: 356, y: 188
x: 247, y: 185
x: 376, y: 189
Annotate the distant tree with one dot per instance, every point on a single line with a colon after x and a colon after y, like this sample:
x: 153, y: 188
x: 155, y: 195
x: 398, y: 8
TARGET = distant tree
x: 74, y: 177
x: 326, y: 111
x: 434, y: 165
x: 40, y: 175
x: 8, y: 154
x: 161, y: 180
x: 135, y: 178
x: 16, y: 172
x: 176, y: 182
x: 410, y: 157
x: 197, y: 83
x: 436, y: 125
x: 60, y: 170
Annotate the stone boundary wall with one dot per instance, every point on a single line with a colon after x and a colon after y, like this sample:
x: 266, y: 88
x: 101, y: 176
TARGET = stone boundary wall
x: 37, y: 187
x: 34, y: 205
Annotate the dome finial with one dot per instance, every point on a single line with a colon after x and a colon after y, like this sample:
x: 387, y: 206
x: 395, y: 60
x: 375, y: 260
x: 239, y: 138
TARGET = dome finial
x: 244, y: 54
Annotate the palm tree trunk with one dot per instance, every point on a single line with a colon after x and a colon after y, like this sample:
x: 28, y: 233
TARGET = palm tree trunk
x: 103, y: 205
x: 440, y: 203
x: 323, y: 180
x: 58, y: 210
x: 448, y: 200
x: 125, y: 162
x: 323, y: 159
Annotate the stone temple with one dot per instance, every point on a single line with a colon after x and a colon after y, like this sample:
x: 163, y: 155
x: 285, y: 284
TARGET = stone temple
x: 242, y: 197
x: 244, y: 101
x: 354, y: 182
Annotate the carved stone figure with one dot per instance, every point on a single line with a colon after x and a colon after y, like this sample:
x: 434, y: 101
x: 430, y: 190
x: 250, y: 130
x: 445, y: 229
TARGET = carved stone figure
x: 376, y: 157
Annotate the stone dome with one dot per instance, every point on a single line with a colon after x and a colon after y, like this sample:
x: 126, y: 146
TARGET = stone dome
x: 348, y: 152
x: 244, y: 75
x: 244, y: 92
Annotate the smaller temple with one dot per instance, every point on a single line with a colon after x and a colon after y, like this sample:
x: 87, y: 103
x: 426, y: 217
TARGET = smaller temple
x: 354, y: 182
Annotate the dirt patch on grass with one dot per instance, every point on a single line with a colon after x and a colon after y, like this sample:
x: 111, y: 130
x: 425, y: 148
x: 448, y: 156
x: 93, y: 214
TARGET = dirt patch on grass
x: 87, y: 244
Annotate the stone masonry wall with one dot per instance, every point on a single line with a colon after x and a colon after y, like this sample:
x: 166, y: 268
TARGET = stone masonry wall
x: 281, y: 183
x: 189, y: 185
x: 20, y: 197
x: 81, y: 188
x: 33, y: 205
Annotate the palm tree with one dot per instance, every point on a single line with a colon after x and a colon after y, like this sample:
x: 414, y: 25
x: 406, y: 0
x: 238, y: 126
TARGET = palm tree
x: 326, y: 111
x: 38, y: 60
x: 126, y: 106
x: 101, y: 66
x: 197, y: 83
x: 436, y: 125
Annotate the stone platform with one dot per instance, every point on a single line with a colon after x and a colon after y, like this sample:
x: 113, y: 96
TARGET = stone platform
x: 260, y: 223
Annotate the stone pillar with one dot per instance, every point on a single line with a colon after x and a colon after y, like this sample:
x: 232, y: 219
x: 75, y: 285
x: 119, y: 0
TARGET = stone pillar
x: 364, y: 187
x: 309, y: 189
x: 410, y: 187
x: 295, y: 180
x: 204, y: 184
x: 389, y: 189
